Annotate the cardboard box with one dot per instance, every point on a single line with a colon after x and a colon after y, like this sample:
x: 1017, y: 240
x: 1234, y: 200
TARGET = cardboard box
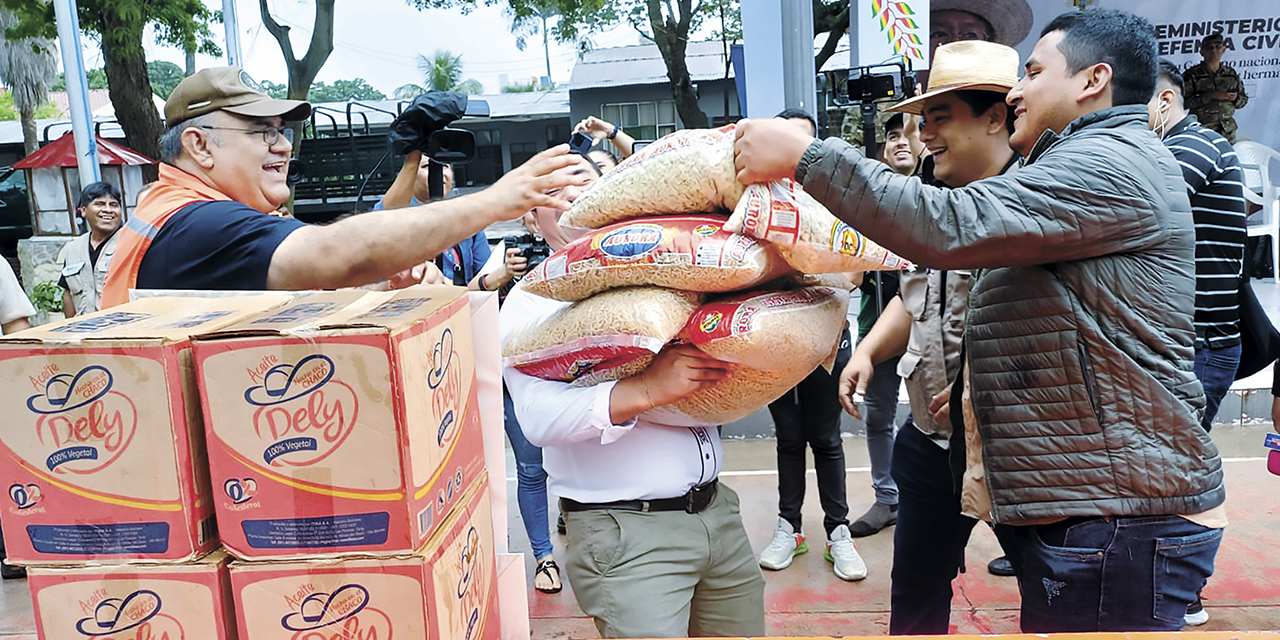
x: 102, y: 449
x: 445, y: 592
x: 130, y: 601
x: 341, y: 429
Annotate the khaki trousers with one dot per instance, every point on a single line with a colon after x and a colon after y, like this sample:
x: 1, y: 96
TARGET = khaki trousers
x: 668, y: 574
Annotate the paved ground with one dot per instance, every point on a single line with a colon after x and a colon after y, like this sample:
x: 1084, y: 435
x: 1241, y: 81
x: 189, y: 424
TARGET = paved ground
x: 808, y: 600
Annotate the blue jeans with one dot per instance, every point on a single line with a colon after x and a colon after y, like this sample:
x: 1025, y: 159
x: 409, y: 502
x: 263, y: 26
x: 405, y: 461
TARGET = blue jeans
x: 1216, y: 370
x: 929, y: 539
x: 881, y: 403
x: 1115, y: 574
x: 531, y: 482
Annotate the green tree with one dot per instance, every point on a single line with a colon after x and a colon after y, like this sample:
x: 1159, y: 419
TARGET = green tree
x: 274, y: 90
x: 441, y: 72
x: 528, y: 86
x: 302, y: 72
x: 343, y: 90
x: 164, y: 77
x: 27, y: 67
x: 524, y: 27
x: 97, y: 79
x: 9, y: 112
x: 667, y: 23
x: 832, y: 18
x: 118, y: 25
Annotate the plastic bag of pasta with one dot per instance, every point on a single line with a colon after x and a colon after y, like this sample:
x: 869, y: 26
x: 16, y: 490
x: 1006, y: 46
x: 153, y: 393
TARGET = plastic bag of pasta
x: 688, y: 171
x: 805, y: 233
x: 691, y: 253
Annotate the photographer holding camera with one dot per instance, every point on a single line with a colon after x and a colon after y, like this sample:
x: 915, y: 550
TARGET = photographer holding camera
x: 464, y: 262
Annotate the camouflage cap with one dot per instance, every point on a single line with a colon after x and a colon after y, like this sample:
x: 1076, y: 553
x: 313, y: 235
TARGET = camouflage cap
x: 227, y: 89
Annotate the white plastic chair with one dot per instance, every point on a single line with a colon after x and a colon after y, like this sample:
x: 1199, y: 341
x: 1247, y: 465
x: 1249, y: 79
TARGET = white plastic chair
x: 1255, y: 161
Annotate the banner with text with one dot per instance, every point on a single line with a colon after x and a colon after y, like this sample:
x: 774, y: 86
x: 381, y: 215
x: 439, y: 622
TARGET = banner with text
x: 1250, y: 30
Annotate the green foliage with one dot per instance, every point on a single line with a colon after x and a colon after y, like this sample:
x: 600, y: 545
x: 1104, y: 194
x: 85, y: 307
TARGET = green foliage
x: 47, y: 296
x: 443, y: 72
x: 528, y: 86
x: 97, y: 80
x: 119, y: 23
x: 8, y: 112
x: 274, y: 90
x: 726, y: 15
x: 164, y: 77
x: 342, y: 90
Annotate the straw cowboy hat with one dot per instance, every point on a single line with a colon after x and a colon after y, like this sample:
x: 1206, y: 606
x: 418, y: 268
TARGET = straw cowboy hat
x: 967, y: 64
x: 1010, y: 20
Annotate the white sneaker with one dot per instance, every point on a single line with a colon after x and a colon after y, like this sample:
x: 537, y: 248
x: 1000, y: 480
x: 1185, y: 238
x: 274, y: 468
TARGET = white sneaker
x: 1196, y: 615
x: 786, y: 545
x: 844, y: 558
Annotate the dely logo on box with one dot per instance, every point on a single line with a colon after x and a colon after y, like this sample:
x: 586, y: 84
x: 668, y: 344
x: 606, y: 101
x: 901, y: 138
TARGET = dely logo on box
x: 445, y: 382
x: 85, y: 423
x: 302, y: 411
x: 344, y: 613
x: 138, y: 612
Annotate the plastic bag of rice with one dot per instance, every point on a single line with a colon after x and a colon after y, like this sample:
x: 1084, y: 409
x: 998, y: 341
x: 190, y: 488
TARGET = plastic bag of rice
x: 805, y: 233
x: 611, y: 335
x: 774, y: 338
x: 678, y: 252
x: 688, y: 171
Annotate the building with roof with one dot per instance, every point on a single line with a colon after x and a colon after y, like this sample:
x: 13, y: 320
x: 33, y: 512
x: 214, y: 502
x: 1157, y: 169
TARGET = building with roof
x: 628, y: 86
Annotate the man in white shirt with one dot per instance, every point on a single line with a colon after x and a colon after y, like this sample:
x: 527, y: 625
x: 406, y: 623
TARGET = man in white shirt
x: 656, y: 547
x: 15, y: 307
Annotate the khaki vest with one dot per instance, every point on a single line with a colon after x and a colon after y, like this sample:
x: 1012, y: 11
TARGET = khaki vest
x: 85, y: 280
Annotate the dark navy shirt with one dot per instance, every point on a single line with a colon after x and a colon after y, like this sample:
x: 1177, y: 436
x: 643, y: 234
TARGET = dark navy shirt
x: 220, y: 245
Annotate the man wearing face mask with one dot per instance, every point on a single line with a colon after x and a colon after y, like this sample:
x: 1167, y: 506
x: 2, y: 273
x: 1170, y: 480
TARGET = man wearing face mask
x: 656, y: 548
x: 1216, y: 190
x: 1215, y: 187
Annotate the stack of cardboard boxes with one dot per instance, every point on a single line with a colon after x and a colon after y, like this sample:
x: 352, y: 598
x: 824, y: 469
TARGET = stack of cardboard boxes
x: 343, y: 449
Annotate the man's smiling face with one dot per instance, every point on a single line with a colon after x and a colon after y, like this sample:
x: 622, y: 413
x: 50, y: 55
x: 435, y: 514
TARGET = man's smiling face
x: 245, y: 167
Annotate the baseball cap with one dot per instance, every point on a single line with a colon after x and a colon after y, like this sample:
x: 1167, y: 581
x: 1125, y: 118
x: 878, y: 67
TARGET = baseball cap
x: 227, y: 89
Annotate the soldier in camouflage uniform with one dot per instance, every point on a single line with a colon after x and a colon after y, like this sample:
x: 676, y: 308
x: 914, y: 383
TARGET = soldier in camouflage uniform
x: 1214, y: 90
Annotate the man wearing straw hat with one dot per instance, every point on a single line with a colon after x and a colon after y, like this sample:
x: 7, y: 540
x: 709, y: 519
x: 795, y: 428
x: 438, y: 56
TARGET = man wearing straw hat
x: 966, y: 128
x: 1076, y: 395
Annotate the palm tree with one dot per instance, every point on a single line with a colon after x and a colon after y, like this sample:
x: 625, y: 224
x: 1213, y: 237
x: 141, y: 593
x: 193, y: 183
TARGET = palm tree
x: 535, y: 23
x: 523, y: 27
x: 27, y: 67
x: 442, y: 72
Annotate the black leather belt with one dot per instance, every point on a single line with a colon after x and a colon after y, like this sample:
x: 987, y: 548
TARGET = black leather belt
x: 698, y: 499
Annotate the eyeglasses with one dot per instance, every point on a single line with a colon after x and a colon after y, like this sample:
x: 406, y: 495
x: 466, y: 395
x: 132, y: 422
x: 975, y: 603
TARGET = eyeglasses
x: 944, y: 37
x: 270, y: 135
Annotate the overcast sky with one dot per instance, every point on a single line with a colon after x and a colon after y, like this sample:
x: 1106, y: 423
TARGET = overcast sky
x: 378, y: 40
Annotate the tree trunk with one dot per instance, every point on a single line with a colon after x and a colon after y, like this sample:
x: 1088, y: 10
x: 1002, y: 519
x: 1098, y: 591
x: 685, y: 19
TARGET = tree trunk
x: 30, y: 141
x: 839, y: 25
x: 672, y: 36
x: 129, y: 86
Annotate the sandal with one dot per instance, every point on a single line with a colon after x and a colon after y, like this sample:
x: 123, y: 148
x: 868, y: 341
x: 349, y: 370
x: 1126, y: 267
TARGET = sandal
x: 549, y: 570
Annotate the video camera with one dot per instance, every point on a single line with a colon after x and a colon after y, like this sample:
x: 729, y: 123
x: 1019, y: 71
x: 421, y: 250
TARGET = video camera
x: 532, y: 248
x: 891, y: 81
x: 423, y: 126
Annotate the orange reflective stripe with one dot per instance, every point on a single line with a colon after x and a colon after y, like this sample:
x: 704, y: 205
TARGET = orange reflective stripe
x: 174, y: 190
